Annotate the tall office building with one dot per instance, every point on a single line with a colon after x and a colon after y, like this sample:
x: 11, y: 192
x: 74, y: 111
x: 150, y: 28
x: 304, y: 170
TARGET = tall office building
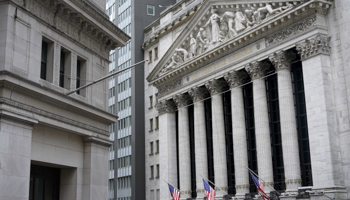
x: 126, y: 97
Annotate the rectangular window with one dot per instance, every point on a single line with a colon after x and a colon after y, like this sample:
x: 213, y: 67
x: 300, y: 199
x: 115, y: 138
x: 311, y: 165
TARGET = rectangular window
x: 156, y: 53
x: 150, y: 101
x: 62, y: 62
x: 81, y: 75
x: 151, y: 124
x: 157, y: 123
x: 157, y: 146
x: 157, y: 171
x: 152, y: 175
x: 150, y: 10
x: 43, y: 60
x: 150, y: 56
x: 47, y: 55
x: 151, y: 148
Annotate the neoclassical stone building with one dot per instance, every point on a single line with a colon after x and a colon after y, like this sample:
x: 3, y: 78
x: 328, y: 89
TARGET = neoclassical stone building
x: 257, y: 83
x: 54, y: 146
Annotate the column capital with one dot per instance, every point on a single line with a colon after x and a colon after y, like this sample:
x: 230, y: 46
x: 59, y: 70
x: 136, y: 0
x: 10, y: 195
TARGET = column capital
x: 182, y: 100
x: 256, y: 70
x: 166, y: 106
x: 216, y: 86
x: 235, y: 78
x: 97, y: 140
x: 314, y: 46
x: 198, y: 93
x: 281, y: 60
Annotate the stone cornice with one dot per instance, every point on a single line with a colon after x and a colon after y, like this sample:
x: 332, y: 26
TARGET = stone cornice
x: 314, y: 46
x: 52, y: 97
x: 24, y: 120
x: 97, y: 140
x: 34, y: 110
x: 166, y: 106
x: 245, y: 37
x: 79, y: 20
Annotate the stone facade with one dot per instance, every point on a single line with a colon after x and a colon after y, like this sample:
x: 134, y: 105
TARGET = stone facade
x: 242, y: 43
x: 39, y: 123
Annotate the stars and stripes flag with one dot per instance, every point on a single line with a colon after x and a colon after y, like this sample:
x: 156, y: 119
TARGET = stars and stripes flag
x: 174, y: 192
x: 259, y: 186
x: 209, y: 191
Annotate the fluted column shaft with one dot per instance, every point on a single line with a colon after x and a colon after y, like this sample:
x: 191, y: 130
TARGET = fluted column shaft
x: 184, y: 144
x: 167, y: 145
x: 289, y: 132
x: 262, y: 130
x: 200, y: 138
x: 239, y: 133
x: 219, y: 142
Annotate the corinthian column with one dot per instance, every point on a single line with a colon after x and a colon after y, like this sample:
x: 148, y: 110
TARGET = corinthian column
x: 287, y: 120
x: 200, y: 137
x: 167, y: 145
x: 182, y: 101
x: 234, y: 80
x: 261, y: 118
x: 215, y: 87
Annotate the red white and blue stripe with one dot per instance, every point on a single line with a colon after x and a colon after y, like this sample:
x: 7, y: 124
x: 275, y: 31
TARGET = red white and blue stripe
x: 209, y: 191
x: 259, y: 186
x: 174, y: 192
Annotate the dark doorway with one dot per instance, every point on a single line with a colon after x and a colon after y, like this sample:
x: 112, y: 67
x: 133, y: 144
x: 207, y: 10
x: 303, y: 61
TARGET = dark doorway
x: 44, y: 183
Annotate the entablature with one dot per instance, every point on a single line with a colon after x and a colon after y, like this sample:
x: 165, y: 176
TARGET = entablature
x: 291, y: 19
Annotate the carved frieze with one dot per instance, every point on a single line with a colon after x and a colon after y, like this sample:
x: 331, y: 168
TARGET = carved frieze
x: 221, y: 26
x: 182, y: 100
x: 235, y: 78
x: 165, y: 89
x: 280, y: 60
x: 166, y: 106
x: 216, y: 86
x: 198, y: 93
x: 292, y: 30
x: 314, y: 46
x: 256, y: 70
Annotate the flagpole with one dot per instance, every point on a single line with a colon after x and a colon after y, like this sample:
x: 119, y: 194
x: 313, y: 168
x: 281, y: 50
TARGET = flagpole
x: 212, y: 183
x: 178, y: 189
x: 262, y: 180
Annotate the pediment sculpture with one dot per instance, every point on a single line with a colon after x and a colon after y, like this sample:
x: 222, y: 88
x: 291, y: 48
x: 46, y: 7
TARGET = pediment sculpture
x: 222, y: 25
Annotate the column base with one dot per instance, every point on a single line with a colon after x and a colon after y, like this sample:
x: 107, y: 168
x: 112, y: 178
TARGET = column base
x: 333, y: 192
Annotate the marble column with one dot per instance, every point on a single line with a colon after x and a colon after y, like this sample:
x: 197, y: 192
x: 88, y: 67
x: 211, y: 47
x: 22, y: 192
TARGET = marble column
x: 198, y: 94
x: 235, y: 79
x: 96, y: 151
x: 215, y: 87
x: 15, y: 154
x: 167, y: 146
x: 182, y: 101
x: 289, y: 132
x: 262, y: 131
x: 321, y: 115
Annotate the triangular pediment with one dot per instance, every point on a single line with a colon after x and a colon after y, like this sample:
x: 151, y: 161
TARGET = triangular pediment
x: 220, y: 25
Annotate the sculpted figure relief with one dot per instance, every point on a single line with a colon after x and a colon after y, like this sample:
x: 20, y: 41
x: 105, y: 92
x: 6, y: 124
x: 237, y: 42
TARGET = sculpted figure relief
x: 219, y: 28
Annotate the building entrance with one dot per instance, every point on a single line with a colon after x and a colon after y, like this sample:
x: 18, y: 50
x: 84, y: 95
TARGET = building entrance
x: 44, y: 183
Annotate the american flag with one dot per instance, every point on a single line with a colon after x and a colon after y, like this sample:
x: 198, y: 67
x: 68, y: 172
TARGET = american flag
x: 209, y: 191
x: 259, y: 186
x: 174, y: 192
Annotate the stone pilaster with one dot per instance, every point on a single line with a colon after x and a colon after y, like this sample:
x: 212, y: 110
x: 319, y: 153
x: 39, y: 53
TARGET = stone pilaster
x: 167, y: 146
x: 182, y: 101
x: 215, y: 87
x: 262, y: 131
x: 198, y: 94
x: 289, y: 132
x: 235, y: 79
x: 321, y: 115
x: 95, y: 173
x: 15, y: 154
